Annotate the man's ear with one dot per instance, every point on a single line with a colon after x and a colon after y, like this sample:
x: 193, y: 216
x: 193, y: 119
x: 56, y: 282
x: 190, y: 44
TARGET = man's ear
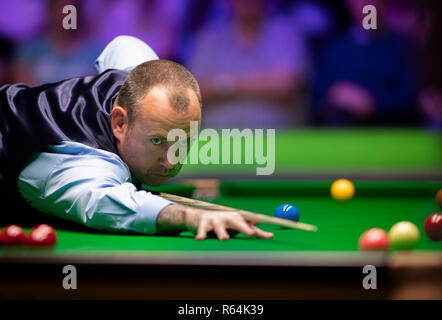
x: 120, y: 122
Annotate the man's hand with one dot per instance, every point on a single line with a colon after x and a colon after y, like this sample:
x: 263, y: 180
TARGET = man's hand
x: 200, y: 222
x: 351, y: 97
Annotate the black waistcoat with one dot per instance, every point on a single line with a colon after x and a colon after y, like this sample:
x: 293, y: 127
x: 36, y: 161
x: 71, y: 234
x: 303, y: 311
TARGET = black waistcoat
x: 77, y: 110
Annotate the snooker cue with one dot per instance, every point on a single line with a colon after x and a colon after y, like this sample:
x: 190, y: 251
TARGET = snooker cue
x: 251, y: 216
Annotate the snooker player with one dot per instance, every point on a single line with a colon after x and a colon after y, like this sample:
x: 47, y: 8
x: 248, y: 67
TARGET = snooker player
x: 81, y: 148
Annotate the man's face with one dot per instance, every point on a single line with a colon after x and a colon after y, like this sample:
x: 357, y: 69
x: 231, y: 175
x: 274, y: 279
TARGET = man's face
x: 143, y: 144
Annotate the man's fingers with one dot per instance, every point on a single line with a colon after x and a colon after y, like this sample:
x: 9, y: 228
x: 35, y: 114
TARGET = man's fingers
x: 221, y: 232
x: 260, y: 233
x: 218, y: 224
x: 263, y: 234
x: 202, y: 230
x: 241, y: 226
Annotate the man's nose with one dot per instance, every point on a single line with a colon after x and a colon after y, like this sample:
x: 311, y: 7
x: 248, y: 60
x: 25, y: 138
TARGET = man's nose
x: 165, y: 162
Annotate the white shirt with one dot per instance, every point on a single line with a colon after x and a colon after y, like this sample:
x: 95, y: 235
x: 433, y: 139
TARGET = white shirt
x: 93, y: 186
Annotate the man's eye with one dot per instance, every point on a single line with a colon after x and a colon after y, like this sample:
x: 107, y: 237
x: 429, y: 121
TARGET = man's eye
x: 156, y: 141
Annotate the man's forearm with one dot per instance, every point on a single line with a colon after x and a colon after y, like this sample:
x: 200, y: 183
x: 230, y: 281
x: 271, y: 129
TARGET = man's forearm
x: 172, y: 219
x: 89, y: 186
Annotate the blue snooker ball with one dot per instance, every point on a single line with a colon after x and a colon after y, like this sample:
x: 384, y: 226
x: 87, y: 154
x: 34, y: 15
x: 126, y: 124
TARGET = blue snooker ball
x: 287, y: 211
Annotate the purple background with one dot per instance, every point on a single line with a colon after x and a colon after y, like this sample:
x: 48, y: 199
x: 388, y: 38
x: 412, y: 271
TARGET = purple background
x: 259, y: 63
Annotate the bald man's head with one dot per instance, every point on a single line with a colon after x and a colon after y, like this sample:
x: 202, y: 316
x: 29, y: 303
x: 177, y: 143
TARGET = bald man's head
x: 175, y: 79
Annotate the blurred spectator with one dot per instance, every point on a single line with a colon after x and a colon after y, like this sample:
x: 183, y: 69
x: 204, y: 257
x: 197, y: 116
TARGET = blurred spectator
x: 156, y: 22
x: 314, y: 22
x: 408, y: 18
x: 420, y: 22
x: 430, y: 96
x: 198, y: 13
x: 59, y: 53
x: 366, y: 76
x: 21, y: 20
x: 249, y: 68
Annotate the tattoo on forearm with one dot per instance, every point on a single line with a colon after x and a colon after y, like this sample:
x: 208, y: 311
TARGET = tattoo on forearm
x: 172, y: 219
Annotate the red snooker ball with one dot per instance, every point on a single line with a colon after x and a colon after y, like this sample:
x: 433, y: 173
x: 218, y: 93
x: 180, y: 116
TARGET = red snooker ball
x: 374, y: 239
x: 433, y: 227
x: 42, y: 235
x: 12, y: 235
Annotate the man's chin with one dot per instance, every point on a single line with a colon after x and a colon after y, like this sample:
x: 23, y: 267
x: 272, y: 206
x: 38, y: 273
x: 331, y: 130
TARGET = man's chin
x: 155, y: 184
x: 155, y: 181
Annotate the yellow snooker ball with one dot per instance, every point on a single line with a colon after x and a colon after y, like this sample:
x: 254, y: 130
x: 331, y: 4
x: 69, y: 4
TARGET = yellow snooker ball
x: 342, y: 190
x: 403, y: 235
